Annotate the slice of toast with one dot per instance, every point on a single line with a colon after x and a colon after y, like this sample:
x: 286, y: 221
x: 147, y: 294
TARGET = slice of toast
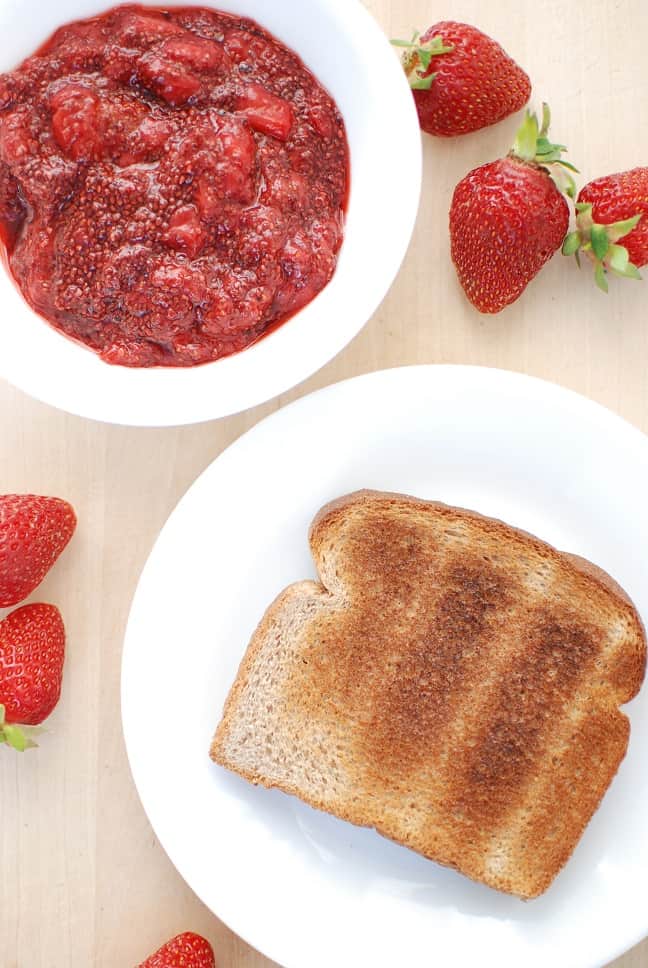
x: 452, y: 682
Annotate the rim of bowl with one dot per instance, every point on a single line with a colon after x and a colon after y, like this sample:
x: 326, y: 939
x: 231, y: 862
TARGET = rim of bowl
x: 385, y: 148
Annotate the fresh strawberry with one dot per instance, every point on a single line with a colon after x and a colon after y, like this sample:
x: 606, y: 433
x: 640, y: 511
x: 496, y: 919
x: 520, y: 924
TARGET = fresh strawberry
x: 33, y: 532
x: 32, y: 649
x: 609, y: 209
x: 462, y: 79
x: 507, y: 218
x: 187, y: 950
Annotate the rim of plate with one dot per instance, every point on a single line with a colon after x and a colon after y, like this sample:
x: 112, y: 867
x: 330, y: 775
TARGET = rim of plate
x: 480, y: 377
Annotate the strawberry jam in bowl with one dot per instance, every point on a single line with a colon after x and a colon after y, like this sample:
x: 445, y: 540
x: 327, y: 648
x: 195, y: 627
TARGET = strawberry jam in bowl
x: 178, y: 182
x: 171, y: 183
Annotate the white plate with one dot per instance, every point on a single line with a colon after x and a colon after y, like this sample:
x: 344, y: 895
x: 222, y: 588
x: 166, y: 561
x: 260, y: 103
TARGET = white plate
x: 345, y: 48
x: 306, y: 889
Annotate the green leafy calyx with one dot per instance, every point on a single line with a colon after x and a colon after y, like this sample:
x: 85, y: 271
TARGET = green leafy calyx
x: 417, y: 57
x: 18, y: 737
x: 599, y: 243
x: 532, y: 145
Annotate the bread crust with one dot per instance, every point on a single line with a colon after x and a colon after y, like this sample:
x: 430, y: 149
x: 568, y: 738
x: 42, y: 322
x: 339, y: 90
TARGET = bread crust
x: 499, y: 823
x: 368, y: 496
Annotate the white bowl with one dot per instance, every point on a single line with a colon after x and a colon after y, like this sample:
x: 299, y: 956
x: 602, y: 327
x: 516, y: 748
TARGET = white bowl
x: 344, y: 47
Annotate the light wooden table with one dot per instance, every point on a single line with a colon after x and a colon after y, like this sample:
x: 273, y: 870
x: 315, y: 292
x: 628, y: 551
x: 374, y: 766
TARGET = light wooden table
x: 83, y: 880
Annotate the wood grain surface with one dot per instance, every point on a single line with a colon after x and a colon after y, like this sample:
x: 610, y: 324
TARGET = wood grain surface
x: 83, y: 880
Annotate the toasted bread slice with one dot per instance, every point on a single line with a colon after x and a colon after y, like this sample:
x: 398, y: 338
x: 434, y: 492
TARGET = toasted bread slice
x: 452, y: 682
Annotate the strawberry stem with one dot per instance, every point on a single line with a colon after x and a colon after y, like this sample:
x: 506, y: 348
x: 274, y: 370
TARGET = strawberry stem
x: 417, y: 58
x: 532, y: 145
x: 599, y: 243
x: 18, y: 737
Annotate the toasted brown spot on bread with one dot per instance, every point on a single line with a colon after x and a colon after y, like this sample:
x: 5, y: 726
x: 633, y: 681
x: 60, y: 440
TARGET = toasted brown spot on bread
x: 532, y: 700
x: 438, y: 656
x: 381, y: 559
x: 532, y: 843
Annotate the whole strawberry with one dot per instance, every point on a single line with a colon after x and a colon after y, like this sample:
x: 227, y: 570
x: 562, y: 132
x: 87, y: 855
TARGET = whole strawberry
x: 34, y: 531
x: 187, y: 950
x: 507, y: 218
x: 609, y: 209
x: 32, y: 650
x: 462, y: 79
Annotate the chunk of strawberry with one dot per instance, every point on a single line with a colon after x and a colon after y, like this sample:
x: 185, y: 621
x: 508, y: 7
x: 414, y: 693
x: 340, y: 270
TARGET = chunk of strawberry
x: 168, y: 300
x: 179, y: 278
x: 121, y: 63
x: 200, y: 54
x: 7, y: 85
x: 33, y: 264
x: 169, y: 80
x: 236, y: 305
x: 158, y: 297
x: 224, y: 152
x: 18, y: 142
x: 263, y: 234
x: 80, y: 48
x: 297, y: 256
x: 119, y: 118
x: 326, y: 238
x: 143, y: 29
x: 147, y: 141
x: 127, y: 351
x: 123, y: 269
x: 321, y: 119
x: 75, y: 121
x: 186, y: 232
x: 209, y: 198
x: 265, y: 112
x: 305, y: 268
x: 153, y: 133
x: 47, y: 185
x: 237, y: 44
x: 13, y: 210
x: 219, y: 314
x: 283, y: 188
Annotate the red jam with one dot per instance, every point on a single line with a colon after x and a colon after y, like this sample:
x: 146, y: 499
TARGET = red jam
x: 172, y: 183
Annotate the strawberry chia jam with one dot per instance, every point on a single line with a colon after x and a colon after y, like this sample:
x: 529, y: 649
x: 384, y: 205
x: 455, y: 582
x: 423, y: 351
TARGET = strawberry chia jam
x: 172, y: 183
